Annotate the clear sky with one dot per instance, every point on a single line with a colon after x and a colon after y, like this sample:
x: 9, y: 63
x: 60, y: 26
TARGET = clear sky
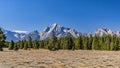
x: 82, y: 15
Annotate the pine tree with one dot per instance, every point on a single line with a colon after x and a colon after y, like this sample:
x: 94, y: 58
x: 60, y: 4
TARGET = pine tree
x: 95, y: 43
x: 101, y: 43
x: 2, y: 39
x: 57, y: 45
x: 22, y: 44
x: 81, y: 42
x: 77, y: 43
x: 7, y: 44
x: 46, y: 44
x: 90, y: 39
x: 41, y: 44
x: 35, y: 44
x: 116, y: 46
x: 53, y: 42
x: 26, y: 46
x: 112, y: 45
x: 62, y: 43
x: 85, y: 41
x: 54, y: 39
x: 29, y: 42
x: 107, y: 42
x: 69, y: 42
x: 16, y: 47
x: 11, y: 45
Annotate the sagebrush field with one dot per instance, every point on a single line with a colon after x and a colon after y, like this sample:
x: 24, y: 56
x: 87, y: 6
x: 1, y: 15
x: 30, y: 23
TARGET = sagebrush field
x: 44, y: 58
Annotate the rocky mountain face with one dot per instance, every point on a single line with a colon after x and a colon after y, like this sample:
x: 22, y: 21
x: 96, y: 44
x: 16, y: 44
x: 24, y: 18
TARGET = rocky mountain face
x: 57, y: 30
x: 16, y: 36
x: 45, y: 34
x: 104, y: 31
x: 34, y: 35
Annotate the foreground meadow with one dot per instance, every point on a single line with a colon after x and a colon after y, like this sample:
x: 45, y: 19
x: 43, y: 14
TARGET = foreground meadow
x: 44, y: 58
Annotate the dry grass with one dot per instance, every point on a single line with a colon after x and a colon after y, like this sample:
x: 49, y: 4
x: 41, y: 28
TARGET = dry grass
x: 59, y: 59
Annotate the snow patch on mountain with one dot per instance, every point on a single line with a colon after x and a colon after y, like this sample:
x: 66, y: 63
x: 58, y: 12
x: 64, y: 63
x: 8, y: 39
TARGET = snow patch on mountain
x: 105, y: 31
x: 58, y: 31
x: 20, y: 31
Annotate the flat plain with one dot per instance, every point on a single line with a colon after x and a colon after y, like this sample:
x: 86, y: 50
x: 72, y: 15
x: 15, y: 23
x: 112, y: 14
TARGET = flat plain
x: 44, y: 58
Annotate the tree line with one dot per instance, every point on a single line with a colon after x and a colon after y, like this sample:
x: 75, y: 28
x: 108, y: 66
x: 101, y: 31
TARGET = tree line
x: 66, y: 43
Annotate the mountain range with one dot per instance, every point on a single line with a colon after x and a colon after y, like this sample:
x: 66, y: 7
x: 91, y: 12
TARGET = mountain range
x: 55, y: 29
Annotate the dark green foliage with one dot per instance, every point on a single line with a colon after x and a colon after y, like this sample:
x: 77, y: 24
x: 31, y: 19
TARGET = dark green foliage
x: 116, y: 45
x: 68, y: 43
x: 85, y: 43
x: 7, y: 44
x: 35, y: 44
x: 11, y: 45
x: 16, y: 47
x: 26, y: 46
x: 41, y: 44
x: 57, y: 45
x: 46, y: 43
x: 95, y: 44
x: 53, y: 43
x: 21, y: 46
x: 29, y: 42
x: 2, y: 36
x: 90, y: 39
x: 2, y: 40
x: 1, y: 46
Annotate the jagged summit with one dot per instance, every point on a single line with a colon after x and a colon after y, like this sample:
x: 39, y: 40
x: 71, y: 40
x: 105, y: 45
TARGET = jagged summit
x: 54, y: 25
x: 59, y: 31
x: 105, y: 31
x: 46, y: 33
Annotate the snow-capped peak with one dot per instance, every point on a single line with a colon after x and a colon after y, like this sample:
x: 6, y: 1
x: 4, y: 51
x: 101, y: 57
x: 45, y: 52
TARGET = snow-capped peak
x: 54, y: 24
x: 55, y: 29
x: 59, y: 31
x: 20, y: 31
x: 46, y: 33
x: 105, y: 31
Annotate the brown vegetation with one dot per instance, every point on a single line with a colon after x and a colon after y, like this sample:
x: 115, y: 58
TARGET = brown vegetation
x: 44, y: 58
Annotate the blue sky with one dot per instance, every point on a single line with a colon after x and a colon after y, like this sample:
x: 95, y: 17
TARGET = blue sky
x: 82, y: 15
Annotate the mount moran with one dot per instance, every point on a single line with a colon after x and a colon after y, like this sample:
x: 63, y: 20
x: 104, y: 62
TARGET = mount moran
x: 55, y: 29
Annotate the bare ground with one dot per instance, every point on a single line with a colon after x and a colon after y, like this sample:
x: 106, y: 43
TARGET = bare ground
x: 59, y: 59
